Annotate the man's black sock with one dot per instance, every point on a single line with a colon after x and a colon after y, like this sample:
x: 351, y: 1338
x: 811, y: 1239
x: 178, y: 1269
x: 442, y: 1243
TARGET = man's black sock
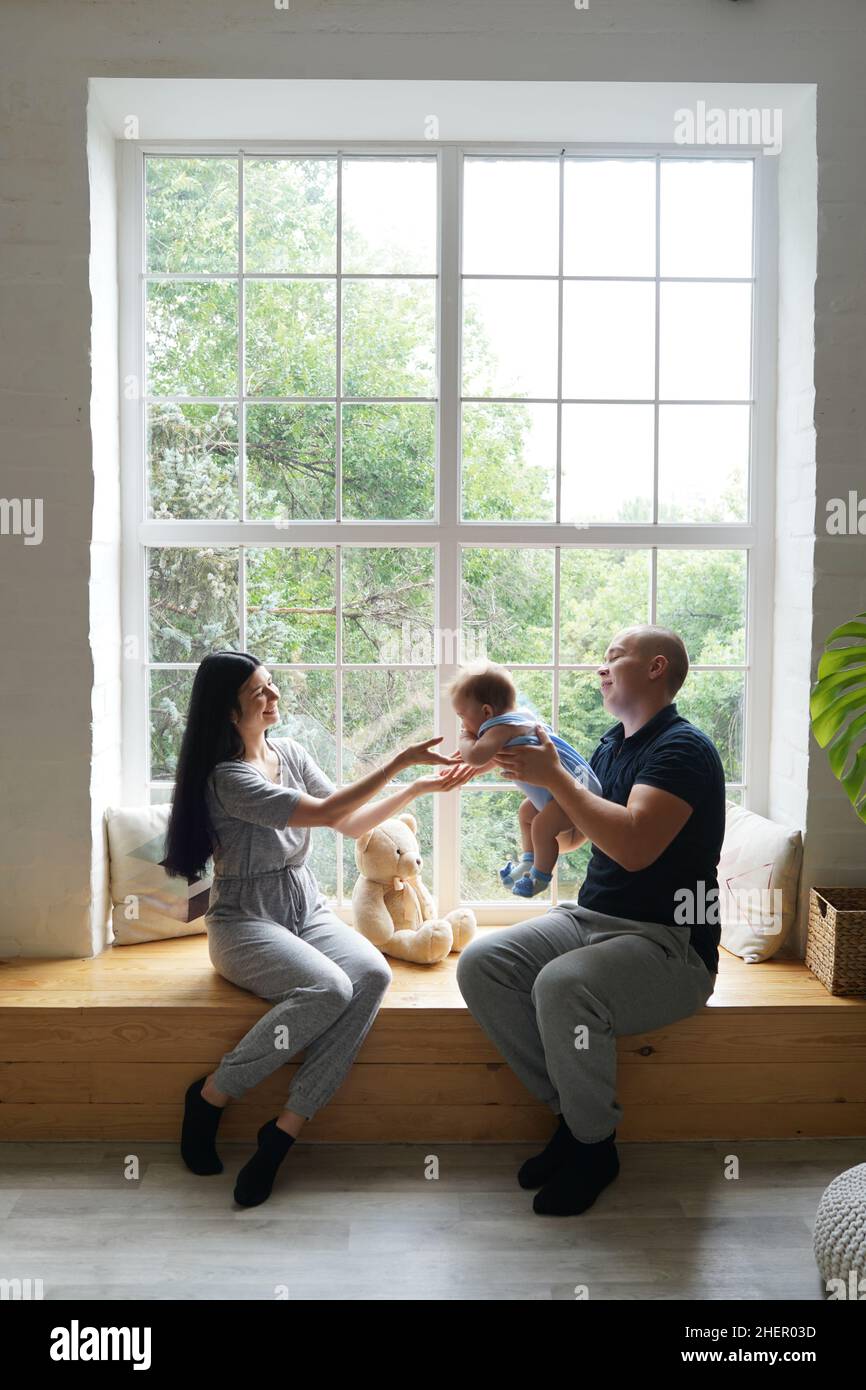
x: 200, y: 1123
x: 256, y: 1178
x: 578, y: 1181
x: 536, y: 1170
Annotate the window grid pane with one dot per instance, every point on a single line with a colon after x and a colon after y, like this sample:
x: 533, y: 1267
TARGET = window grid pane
x: 241, y: 428
x: 249, y: 309
x: 582, y: 340
x: 701, y: 593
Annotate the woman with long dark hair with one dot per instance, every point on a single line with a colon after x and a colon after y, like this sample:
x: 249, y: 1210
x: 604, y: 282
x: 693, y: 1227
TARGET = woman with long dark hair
x: 251, y: 801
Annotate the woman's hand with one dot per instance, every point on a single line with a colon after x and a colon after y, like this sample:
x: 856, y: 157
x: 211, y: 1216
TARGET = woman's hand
x: 423, y: 753
x: 527, y: 763
x: 445, y: 780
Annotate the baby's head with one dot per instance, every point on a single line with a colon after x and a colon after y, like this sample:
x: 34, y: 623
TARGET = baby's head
x: 480, y: 692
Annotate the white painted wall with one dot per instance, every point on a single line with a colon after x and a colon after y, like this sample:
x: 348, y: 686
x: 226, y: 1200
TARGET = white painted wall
x: 791, y: 745
x: 105, y: 546
x: 50, y: 842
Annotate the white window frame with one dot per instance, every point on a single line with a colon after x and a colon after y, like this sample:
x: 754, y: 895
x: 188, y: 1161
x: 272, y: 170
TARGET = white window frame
x: 448, y: 534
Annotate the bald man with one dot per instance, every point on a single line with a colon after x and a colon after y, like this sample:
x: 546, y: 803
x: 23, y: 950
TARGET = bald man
x: 639, y: 948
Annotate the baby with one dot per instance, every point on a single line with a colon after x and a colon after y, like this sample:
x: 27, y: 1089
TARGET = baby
x: 485, y: 698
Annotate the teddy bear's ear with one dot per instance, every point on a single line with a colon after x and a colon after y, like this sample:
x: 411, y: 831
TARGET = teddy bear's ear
x: 363, y: 841
x: 409, y: 820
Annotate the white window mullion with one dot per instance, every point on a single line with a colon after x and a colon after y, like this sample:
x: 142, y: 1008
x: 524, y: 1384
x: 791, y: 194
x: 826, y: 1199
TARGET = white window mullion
x: 654, y: 554
x: 142, y: 510
x: 338, y: 502
x: 762, y: 490
x: 557, y: 550
x: 338, y: 697
x: 446, y: 811
x: 559, y: 316
x: 557, y: 563
x: 658, y: 172
x: 241, y: 398
x: 338, y: 406
x: 241, y: 413
x: 133, y: 445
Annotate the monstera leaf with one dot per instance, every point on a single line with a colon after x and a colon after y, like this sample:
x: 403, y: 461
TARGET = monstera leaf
x: 838, y: 708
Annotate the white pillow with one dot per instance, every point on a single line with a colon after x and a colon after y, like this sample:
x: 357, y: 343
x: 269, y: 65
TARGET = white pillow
x: 147, y: 903
x: 759, y: 877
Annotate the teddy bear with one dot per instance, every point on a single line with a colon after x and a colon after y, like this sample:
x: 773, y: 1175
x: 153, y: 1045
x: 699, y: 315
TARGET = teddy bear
x: 390, y: 903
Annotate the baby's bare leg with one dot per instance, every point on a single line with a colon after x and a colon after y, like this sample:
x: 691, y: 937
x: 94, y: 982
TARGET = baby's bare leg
x: 526, y: 815
x: 511, y: 872
x: 546, y: 825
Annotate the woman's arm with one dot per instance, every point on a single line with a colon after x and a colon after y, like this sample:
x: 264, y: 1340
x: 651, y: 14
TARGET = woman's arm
x: 368, y: 817
x: 316, y: 811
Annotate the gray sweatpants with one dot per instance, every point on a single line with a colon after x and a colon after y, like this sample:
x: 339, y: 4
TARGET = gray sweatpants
x: 554, y: 994
x: 327, y: 982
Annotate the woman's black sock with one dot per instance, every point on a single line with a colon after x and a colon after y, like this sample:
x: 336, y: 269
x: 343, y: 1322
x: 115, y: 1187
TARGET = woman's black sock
x: 200, y: 1123
x: 256, y: 1178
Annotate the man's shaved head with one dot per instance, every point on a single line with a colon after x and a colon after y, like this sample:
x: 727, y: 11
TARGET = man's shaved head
x: 661, y: 641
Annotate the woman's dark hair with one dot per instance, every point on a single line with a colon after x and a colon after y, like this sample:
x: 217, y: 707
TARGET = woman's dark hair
x: 210, y: 737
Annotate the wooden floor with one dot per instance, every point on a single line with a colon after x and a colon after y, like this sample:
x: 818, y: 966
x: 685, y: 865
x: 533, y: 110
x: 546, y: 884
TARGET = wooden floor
x: 365, y: 1222
x: 103, y: 1049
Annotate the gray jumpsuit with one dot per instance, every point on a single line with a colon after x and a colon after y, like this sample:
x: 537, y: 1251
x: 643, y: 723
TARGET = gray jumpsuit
x: 271, y: 931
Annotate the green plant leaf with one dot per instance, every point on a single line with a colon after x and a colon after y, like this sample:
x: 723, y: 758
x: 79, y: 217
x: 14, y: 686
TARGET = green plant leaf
x: 837, y: 707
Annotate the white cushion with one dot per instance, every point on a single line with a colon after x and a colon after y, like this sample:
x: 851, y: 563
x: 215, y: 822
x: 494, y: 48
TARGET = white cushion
x: 147, y: 903
x: 759, y: 877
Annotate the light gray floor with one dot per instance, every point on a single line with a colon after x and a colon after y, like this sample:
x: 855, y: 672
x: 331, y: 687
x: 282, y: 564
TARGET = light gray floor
x: 363, y: 1222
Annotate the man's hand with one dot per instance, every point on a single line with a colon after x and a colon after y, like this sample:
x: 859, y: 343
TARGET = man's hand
x: 525, y: 763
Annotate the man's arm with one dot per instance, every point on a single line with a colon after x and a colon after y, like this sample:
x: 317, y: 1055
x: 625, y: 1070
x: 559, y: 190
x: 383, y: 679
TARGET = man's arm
x: 633, y: 835
x: 569, y: 840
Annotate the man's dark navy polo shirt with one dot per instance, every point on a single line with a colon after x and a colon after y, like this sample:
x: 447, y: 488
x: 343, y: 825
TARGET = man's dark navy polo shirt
x: 671, y: 753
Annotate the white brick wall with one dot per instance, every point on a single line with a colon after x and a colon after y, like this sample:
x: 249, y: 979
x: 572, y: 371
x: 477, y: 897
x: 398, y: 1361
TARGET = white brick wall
x: 61, y: 629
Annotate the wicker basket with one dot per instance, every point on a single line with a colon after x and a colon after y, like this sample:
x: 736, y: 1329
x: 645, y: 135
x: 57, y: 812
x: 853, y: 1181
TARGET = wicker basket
x: 836, y: 943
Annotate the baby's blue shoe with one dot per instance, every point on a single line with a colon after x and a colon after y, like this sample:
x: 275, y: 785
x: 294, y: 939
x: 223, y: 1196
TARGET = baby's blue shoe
x: 512, y: 872
x: 533, y: 882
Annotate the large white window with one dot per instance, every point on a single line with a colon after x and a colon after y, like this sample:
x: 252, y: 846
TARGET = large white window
x: 386, y: 410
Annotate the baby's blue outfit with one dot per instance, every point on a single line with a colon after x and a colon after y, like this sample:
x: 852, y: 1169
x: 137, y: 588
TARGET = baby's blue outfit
x: 571, y: 760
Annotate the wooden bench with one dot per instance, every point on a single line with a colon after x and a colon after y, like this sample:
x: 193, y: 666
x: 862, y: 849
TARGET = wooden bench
x: 104, y: 1048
